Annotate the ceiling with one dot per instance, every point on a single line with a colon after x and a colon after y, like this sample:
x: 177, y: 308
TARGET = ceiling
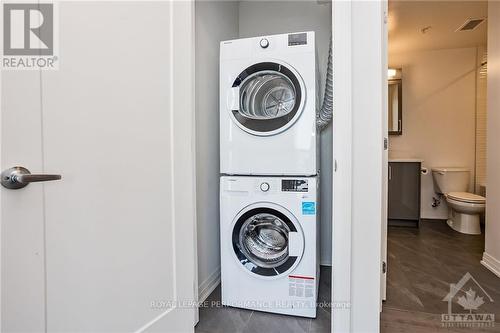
x: 439, y: 19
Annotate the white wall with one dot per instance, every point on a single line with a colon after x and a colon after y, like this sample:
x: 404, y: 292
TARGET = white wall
x: 491, y: 257
x: 274, y: 17
x: 439, y: 104
x: 215, y: 21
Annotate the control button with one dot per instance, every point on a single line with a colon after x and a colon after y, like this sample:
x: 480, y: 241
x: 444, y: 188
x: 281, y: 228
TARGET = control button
x: 264, y: 187
x: 264, y: 43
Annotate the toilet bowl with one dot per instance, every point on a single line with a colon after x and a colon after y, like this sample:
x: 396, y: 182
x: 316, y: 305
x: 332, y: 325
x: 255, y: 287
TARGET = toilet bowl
x: 465, y: 208
x: 465, y: 211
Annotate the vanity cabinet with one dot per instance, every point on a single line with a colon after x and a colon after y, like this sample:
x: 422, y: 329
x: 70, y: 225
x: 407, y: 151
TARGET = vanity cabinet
x: 404, y: 193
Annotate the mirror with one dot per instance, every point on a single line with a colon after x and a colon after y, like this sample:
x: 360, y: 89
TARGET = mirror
x: 395, y: 106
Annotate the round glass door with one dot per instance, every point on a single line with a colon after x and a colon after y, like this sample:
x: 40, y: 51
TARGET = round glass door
x: 271, y: 98
x: 267, y: 95
x: 261, y: 241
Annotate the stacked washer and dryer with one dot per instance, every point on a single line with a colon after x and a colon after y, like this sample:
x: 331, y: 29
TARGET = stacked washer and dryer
x: 269, y: 182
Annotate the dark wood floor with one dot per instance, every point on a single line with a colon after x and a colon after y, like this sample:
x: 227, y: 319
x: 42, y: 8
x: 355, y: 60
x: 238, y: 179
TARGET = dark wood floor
x: 215, y: 318
x: 422, y: 263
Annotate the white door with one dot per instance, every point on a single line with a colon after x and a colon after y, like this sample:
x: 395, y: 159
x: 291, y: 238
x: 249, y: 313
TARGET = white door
x: 110, y: 246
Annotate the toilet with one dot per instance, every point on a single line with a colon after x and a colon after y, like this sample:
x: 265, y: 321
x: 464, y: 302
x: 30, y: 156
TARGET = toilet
x: 465, y: 208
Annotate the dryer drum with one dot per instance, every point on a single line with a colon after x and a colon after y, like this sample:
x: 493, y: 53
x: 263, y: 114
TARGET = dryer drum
x: 264, y: 240
x: 270, y: 98
x: 267, y: 95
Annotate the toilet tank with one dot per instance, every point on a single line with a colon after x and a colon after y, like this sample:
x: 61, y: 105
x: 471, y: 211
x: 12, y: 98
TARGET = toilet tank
x: 448, y: 180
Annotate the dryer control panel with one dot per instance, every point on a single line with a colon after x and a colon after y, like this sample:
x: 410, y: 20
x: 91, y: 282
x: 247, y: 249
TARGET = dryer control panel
x: 294, y: 185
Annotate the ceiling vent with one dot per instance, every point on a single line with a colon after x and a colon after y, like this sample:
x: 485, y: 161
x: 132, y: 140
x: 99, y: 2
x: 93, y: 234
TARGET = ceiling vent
x: 470, y: 24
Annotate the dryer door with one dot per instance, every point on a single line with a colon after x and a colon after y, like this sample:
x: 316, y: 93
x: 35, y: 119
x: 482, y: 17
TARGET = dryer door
x: 268, y: 97
x: 267, y: 240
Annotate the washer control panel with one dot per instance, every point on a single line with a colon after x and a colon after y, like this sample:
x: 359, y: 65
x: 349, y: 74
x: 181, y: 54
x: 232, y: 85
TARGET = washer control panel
x: 294, y: 185
x: 264, y: 187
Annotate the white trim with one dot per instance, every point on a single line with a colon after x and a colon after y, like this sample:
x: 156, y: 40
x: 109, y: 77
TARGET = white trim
x: 209, y: 285
x: 196, y: 318
x: 184, y: 149
x: 342, y: 156
x: 1, y: 206
x: 385, y: 165
x: 367, y: 99
x: 491, y: 263
x: 359, y: 82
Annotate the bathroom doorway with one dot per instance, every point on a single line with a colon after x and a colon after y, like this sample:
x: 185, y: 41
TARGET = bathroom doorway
x: 436, y: 171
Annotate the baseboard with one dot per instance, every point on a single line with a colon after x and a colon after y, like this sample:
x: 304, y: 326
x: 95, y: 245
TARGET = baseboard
x: 207, y: 287
x: 491, y: 263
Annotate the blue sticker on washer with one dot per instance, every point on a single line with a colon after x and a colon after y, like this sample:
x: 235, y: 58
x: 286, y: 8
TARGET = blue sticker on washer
x: 308, y: 208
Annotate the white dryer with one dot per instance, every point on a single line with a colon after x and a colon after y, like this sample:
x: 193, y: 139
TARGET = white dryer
x: 270, y: 244
x: 268, y: 105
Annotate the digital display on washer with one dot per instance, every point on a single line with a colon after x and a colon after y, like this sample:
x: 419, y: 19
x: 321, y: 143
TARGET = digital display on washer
x: 297, y: 39
x: 294, y: 185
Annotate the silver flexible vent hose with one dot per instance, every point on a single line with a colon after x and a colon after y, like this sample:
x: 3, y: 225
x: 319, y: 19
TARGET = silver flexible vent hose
x: 325, y: 114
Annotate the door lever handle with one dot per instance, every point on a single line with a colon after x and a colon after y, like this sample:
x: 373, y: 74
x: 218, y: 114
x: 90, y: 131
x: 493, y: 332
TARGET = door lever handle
x: 19, y: 177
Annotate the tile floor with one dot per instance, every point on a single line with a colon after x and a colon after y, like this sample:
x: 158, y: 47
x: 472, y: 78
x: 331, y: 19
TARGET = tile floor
x: 421, y: 265
x: 217, y: 319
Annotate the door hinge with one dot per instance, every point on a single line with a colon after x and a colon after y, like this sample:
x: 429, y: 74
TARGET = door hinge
x: 384, y: 267
x: 335, y: 165
x: 386, y: 143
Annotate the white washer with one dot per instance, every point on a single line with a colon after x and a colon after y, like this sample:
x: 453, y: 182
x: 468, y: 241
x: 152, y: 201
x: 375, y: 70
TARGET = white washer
x: 270, y: 244
x: 268, y: 105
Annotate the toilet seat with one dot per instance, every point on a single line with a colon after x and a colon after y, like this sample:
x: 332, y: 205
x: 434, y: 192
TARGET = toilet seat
x: 466, y: 197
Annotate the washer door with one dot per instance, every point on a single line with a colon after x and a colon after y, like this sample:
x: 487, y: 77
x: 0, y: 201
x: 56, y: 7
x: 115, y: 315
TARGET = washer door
x: 270, y: 98
x: 267, y: 240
